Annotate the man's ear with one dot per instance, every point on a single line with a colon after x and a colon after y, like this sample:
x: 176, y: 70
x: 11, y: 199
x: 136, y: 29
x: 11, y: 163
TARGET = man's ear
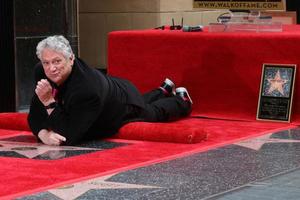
x: 72, y: 57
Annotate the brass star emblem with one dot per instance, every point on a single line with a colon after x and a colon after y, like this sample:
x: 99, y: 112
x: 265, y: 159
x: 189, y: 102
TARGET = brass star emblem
x: 100, y: 183
x: 276, y: 83
x: 31, y: 150
x: 258, y: 142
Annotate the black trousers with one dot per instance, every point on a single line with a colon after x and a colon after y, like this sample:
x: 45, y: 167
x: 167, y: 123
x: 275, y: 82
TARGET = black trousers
x: 159, y: 108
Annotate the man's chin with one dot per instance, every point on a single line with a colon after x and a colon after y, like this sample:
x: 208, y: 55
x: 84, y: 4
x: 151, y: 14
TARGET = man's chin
x: 56, y: 80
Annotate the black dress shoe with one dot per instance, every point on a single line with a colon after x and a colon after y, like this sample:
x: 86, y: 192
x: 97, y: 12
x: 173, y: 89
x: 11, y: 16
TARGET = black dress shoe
x: 183, y: 93
x: 168, y: 87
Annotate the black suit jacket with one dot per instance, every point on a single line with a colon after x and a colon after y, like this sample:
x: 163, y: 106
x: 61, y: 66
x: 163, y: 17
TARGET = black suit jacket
x: 90, y: 104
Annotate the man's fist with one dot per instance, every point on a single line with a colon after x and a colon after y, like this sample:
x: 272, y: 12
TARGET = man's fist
x: 44, y: 92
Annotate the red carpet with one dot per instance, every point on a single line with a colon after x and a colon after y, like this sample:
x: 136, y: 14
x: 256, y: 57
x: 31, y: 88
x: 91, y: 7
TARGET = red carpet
x: 24, y: 176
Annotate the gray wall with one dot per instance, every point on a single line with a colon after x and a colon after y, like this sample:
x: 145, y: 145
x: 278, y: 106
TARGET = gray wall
x: 35, y: 20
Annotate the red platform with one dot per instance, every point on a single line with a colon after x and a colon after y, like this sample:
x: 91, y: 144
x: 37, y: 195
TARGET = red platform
x: 221, y: 70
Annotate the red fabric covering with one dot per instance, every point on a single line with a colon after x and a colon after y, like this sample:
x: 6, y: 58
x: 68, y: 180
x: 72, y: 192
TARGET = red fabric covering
x: 46, y: 174
x: 14, y: 121
x: 177, y: 132
x: 189, y: 130
x: 24, y: 176
x: 182, y: 131
x: 193, y: 130
x: 221, y: 70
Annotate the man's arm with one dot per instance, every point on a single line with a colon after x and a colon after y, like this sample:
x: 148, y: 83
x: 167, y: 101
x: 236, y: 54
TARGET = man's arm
x: 38, y: 122
x: 37, y: 117
x: 71, y: 121
x: 44, y: 93
x: 74, y: 120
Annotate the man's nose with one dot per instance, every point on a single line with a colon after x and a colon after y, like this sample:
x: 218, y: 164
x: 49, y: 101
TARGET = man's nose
x: 52, y: 67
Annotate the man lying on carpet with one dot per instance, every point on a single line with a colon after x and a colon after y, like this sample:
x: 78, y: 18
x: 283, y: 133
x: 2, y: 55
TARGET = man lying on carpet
x: 74, y: 102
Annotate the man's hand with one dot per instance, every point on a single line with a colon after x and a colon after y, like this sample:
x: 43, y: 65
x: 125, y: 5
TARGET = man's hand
x: 44, y: 92
x: 50, y: 137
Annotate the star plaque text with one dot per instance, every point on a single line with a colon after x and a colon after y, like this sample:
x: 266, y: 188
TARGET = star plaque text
x: 276, y: 92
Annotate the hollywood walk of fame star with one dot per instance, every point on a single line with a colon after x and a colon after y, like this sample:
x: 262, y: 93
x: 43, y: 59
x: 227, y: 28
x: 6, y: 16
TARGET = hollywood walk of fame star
x: 31, y: 150
x: 258, y: 142
x: 75, y: 190
x: 276, y: 83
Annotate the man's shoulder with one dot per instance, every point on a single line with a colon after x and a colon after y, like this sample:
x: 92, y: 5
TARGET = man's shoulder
x: 86, y: 81
x: 82, y: 84
x: 87, y: 76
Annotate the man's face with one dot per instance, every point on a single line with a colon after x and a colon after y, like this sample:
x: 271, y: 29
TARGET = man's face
x: 57, y: 68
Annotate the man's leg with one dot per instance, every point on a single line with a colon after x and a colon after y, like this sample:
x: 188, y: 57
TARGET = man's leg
x: 153, y: 95
x: 166, y: 109
x: 166, y: 89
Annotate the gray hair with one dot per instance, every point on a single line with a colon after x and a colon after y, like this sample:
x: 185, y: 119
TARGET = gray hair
x: 56, y: 43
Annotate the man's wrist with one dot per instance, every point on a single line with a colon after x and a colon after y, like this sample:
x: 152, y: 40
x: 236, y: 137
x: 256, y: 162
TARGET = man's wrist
x: 42, y: 133
x: 51, y: 105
